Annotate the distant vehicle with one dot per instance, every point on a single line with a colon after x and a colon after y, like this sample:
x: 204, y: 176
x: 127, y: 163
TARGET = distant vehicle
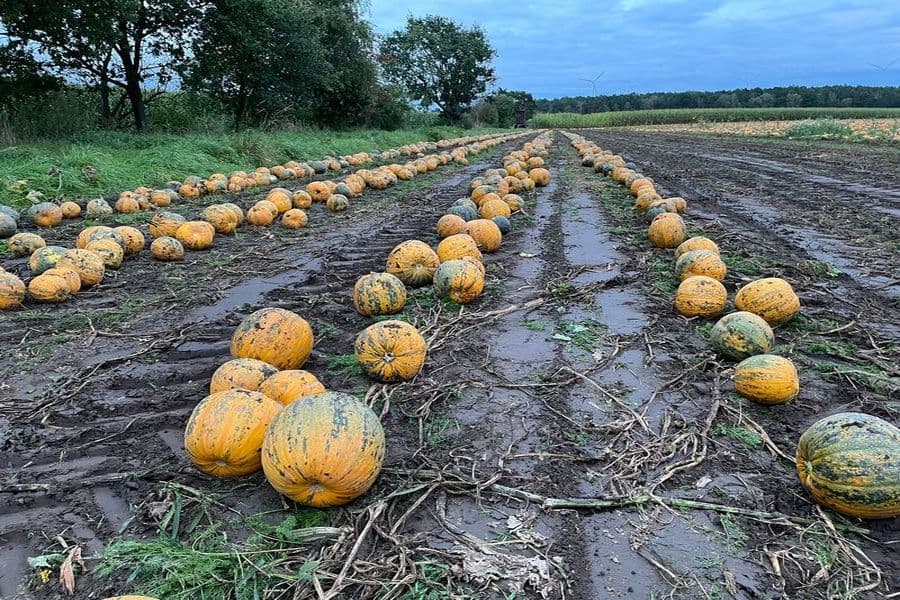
x: 520, y: 118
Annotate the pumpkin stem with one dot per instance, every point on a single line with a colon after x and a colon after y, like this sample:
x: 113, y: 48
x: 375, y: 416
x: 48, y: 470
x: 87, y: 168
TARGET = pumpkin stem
x: 389, y: 357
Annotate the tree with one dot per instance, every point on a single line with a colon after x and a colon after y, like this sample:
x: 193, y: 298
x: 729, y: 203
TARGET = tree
x: 438, y: 62
x: 505, y: 107
x: 120, y: 43
x: 22, y: 76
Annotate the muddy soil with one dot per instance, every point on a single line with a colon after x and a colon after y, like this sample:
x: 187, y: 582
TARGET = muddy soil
x: 570, y: 381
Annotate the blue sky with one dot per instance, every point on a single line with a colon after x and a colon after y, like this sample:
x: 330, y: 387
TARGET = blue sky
x: 547, y: 46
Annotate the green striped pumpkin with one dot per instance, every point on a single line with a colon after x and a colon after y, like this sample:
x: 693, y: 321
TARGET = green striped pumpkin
x: 379, y: 294
x: 742, y: 334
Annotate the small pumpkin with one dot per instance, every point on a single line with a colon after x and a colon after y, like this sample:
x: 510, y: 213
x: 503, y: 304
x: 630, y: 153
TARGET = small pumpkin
x: 240, y: 373
x: 301, y: 199
x: 540, y: 176
x: 391, y: 351
x: 259, y: 216
x: 127, y: 204
x: 450, y: 225
x: 514, y: 202
x: 88, y: 265
x: 70, y: 210
x: 97, y: 233
x: 458, y: 246
x: 8, y: 226
x: 111, y: 252
x: 378, y: 294
x: 236, y: 210
x: 98, y: 208
x: 850, y: 463
x: 700, y: 262
x: 413, y: 262
x: 133, y: 238
x: 273, y: 335
x: 494, y: 208
x: 165, y: 224
x: 12, y: 291
x: 166, y: 248
x: 45, y: 214
x: 270, y: 206
x: 337, y: 203
x: 459, y: 280
x: 486, y: 234
x: 771, y: 298
x: 645, y: 198
x: 700, y: 296
x: 289, y: 386
x: 324, y: 450
x: 221, y: 218
x: 45, y: 258
x: 281, y: 198
x: 195, y: 235
x: 294, y: 219
x: 49, y: 287
x: 224, y: 434
x: 319, y: 191
x: 696, y: 243
x: 161, y: 198
x: 666, y: 231
x: 70, y: 276
x: 742, y: 334
x: 767, y: 379
x: 24, y: 244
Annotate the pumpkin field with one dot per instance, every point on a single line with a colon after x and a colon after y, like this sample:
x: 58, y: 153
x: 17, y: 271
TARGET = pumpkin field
x: 542, y: 363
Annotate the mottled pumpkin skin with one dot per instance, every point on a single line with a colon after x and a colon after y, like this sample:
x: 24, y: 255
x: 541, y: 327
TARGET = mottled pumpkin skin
x: 96, y: 233
x: 45, y: 258
x: 850, y: 463
x: 379, y: 294
x: 700, y: 296
x: 645, y: 198
x: 89, y: 265
x: 486, y: 234
x: 494, y: 208
x: 294, y: 219
x: 223, y: 220
x: 413, y: 262
x: 319, y: 191
x: 539, y: 176
x: 273, y: 335
x: 165, y: 224
x: 771, y: 298
x: 391, y: 351
x: 459, y: 280
x: 133, y: 238
x: 700, y: 262
x: 696, y: 243
x: 450, y: 225
x: 767, y: 379
x: 24, y: 244
x: 259, y: 216
x: 195, y: 235
x: 45, y: 214
x: 281, y: 198
x: 301, y: 199
x: 224, y: 434
x: 49, y: 287
x: 70, y: 276
x: 12, y: 291
x: 666, y: 231
x: 111, y: 252
x: 458, y: 246
x: 236, y: 210
x: 324, y: 450
x: 166, y: 248
x: 742, y: 334
x: 240, y: 374
x: 288, y: 386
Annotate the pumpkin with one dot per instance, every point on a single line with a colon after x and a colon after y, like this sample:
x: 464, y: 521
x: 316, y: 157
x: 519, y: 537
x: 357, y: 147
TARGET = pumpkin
x: 45, y: 214
x: 224, y: 434
x: 269, y: 206
x: 700, y: 296
x: 88, y: 265
x: 281, y: 198
x: 111, y: 252
x: 771, y: 298
x: 70, y: 276
x: 666, y: 231
x: 165, y: 224
x: 695, y: 243
x: 127, y: 204
x: 379, y: 294
x: 413, y: 262
x: 535, y: 162
x: 236, y: 211
x: 273, y: 335
x: 680, y: 203
x: 301, y: 199
x: 8, y: 226
x: 96, y: 233
x: 288, y: 386
x: 539, y: 176
x: 10, y: 212
x: 645, y: 198
x: 450, y: 225
x: 503, y: 224
x: 767, y: 379
x: 486, y: 234
x: 294, y: 219
x: 12, y: 291
x: 391, y: 351
x: 323, y: 450
x: 240, y: 373
x: 166, y: 248
x: 742, y: 334
x: 24, y: 244
x: 468, y: 213
x: 259, y: 216
x: 70, y: 210
x: 161, y: 198
x: 514, y: 202
x: 133, y: 238
x: 494, y: 208
x: 458, y: 246
x: 221, y: 218
x: 319, y: 191
x: 98, y: 208
x: 195, y: 235
x: 850, y: 463
x: 337, y: 203
x: 49, y: 287
x: 459, y: 280
x: 489, y: 197
x: 700, y: 262
x: 45, y: 258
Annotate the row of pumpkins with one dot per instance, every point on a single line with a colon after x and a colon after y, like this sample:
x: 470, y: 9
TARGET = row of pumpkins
x: 849, y: 462
x: 59, y: 272
x: 322, y: 448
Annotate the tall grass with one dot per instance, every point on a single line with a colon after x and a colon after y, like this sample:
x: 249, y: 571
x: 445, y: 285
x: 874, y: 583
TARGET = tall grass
x: 697, y: 115
x: 126, y: 160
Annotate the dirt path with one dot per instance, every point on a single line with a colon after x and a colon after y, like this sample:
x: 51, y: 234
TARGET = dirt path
x: 571, y: 379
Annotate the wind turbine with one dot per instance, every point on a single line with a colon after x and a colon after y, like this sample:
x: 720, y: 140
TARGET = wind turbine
x: 885, y: 67
x: 593, y: 81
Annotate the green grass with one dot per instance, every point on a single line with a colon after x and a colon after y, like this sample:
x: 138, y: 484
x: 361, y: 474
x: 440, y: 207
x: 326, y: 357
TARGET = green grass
x: 826, y: 129
x: 344, y: 364
x: 701, y: 115
x: 584, y: 335
x: 127, y: 160
x: 739, y: 434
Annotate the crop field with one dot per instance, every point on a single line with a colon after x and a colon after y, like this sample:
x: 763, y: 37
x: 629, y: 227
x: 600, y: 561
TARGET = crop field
x: 465, y: 368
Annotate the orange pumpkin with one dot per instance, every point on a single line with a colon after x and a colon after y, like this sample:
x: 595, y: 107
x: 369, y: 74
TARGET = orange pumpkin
x: 165, y: 224
x: 700, y: 296
x: 161, y: 198
x: 700, y: 262
x: 127, y: 204
x: 111, y: 252
x: 771, y: 298
x: 294, y: 219
x: 273, y: 335
x: 12, y: 291
x: 166, y: 248
x: 319, y: 191
x: 70, y: 210
x: 767, y: 379
x: 70, y: 276
x: 666, y: 231
x: 236, y: 211
x: 379, y: 294
x: 259, y: 216
x: 450, y: 225
x: 458, y: 246
x: 540, y: 177
x: 645, y: 198
x: 281, y: 198
x: 221, y: 218
x: 49, y: 287
x: 514, y: 202
x: 695, y: 243
x: 391, y: 351
x: 413, y: 262
x: 323, y: 450
x: 240, y: 373
x: 24, y: 244
x: 269, y: 206
x: 133, y: 239
x: 301, y: 199
x: 495, y: 208
x: 486, y: 234
x: 88, y: 265
x: 45, y: 214
x: 459, y: 280
x: 196, y: 235
x: 224, y: 434
x: 288, y: 386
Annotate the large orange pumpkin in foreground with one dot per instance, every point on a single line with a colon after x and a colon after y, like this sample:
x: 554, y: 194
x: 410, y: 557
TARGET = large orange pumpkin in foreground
x: 224, y: 434
x: 486, y: 234
x: 771, y: 298
x: 666, y: 231
x: 391, y: 351
x: 767, y: 379
x: 323, y: 450
x: 700, y: 296
x: 273, y: 335
x: 413, y: 262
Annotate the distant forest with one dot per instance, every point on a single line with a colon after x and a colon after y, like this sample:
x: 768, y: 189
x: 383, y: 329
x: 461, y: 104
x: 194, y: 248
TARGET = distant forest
x: 779, y: 97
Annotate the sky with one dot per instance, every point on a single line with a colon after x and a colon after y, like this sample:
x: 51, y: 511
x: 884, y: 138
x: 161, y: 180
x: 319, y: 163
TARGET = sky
x: 549, y: 47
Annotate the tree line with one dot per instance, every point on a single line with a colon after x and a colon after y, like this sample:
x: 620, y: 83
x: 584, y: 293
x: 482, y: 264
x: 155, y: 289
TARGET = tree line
x: 776, y: 97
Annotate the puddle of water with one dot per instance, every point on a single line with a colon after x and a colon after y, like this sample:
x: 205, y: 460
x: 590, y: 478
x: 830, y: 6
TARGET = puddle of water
x: 115, y: 508
x: 585, y: 242
x: 619, y: 312
x: 13, y: 555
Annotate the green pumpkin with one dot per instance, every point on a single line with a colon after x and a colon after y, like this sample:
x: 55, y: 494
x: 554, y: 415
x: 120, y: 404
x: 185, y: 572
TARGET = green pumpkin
x: 503, y: 223
x: 466, y: 212
x: 850, y: 463
x: 654, y: 212
x: 8, y: 226
x: 742, y: 334
x: 318, y: 166
x: 466, y: 202
x: 10, y: 212
x: 337, y: 203
x: 45, y: 258
x: 343, y: 189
